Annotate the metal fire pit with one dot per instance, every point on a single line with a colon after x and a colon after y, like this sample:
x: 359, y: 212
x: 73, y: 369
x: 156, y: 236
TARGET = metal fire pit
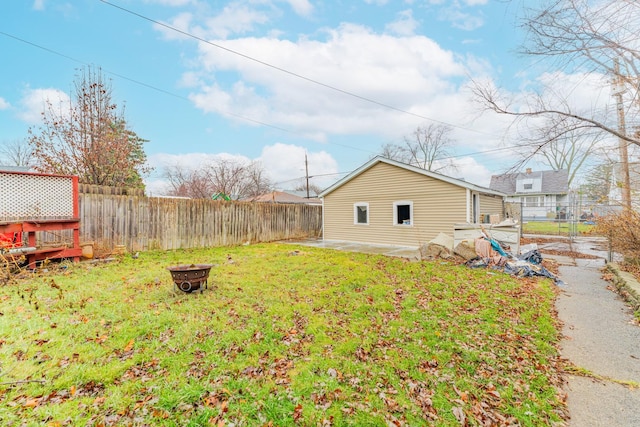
x: 189, y: 278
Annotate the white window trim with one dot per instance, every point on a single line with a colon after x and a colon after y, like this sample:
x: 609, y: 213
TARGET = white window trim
x: 355, y: 213
x: 395, y: 212
x: 538, y: 203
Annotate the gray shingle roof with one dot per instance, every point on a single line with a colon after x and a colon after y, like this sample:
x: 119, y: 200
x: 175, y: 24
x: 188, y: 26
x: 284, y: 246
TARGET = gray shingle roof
x: 553, y: 182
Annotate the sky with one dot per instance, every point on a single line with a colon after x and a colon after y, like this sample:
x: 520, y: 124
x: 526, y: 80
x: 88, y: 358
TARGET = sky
x: 277, y: 80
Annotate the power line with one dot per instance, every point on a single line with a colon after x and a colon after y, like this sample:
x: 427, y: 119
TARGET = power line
x: 291, y: 73
x: 233, y: 114
x: 155, y: 88
x: 166, y: 92
x: 297, y: 75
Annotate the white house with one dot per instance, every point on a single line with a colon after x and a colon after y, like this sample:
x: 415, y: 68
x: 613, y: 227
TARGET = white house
x: 543, y: 194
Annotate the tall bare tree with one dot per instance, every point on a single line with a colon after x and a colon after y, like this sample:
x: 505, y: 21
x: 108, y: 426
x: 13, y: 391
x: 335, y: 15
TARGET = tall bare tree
x: 236, y: 179
x: 563, y: 144
x: 597, y: 38
x: 394, y: 152
x: 16, y: 153
x: 89, y: 137
x: 185, y: 182
x: 428, y: 148
x: 314, y: 189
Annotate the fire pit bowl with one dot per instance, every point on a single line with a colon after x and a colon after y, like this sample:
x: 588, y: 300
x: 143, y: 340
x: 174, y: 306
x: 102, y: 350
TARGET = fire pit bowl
x: 190, y: 277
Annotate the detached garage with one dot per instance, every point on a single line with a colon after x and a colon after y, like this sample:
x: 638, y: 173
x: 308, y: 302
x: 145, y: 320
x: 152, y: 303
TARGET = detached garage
x: 392, y: 203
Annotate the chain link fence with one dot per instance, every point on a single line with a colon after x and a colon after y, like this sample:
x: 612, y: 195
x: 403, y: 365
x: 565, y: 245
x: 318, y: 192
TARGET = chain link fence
x: 561, y: 218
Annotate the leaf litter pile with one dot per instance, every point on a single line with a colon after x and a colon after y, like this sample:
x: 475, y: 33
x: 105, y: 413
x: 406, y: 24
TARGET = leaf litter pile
x: 283, y: 336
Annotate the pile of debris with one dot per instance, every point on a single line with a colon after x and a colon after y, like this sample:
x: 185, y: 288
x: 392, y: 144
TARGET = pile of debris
x: 486, y: 252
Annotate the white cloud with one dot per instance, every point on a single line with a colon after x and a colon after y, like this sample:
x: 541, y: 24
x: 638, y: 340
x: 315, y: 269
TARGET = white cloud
x: 470, y: 170
x: 476, y: 2
x: 4, y: 104
x: 301, y: 7
x: 189, y: 80
x: 234, y: 18
x: 404, y: 25
x: 285, y: 165
x: 460, y: 19
x: 34, y: 101
x: 581, y: 90
x: 181, y: 22
x: 408, y: 73
x: 398, y: 68
x: 38, y: 4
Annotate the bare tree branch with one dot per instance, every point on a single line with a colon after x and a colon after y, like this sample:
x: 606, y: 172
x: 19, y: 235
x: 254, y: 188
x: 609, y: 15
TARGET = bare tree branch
x: 235, y: 179
x: 17, y: 153
x: 575, y: 36
x: 427, y: 148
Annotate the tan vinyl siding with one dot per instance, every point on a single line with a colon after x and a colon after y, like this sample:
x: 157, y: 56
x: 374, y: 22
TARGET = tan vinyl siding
x: 492, y: 205
x: 437, y: 205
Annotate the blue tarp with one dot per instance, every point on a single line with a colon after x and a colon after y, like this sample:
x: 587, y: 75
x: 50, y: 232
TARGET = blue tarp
x: 526, y: 265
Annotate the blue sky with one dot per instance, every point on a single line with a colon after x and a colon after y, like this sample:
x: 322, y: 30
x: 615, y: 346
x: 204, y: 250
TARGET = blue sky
x: 271, y: 80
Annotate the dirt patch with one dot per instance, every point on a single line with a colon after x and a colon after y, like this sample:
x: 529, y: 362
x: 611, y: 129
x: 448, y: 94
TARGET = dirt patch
x: 568, y: 251
x: 539, y: 240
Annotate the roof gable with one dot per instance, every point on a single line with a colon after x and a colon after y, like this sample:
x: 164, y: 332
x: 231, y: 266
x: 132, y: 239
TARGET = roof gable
x: 549, y: 182
x: 414, y: 169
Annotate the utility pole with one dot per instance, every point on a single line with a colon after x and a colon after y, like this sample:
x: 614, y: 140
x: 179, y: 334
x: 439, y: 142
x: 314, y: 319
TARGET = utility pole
x: 306, y: 168
x: 618, y: 90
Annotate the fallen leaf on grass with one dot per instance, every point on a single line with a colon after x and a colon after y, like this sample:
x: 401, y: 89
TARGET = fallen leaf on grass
x: 297, y: 413
x: 141, y: 403
x: 464, y: 396
x: 160, y: 413
x: 31, y: 403
x: 458, y: 412
x: 98, y: 339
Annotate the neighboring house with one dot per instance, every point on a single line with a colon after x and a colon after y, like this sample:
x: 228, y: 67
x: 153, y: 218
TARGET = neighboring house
x: 284, y: 197
x: 392, y: 203
x: 543, y: 194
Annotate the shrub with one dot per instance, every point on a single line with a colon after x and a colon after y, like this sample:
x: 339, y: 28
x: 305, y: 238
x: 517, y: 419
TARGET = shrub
x: 623, y: 230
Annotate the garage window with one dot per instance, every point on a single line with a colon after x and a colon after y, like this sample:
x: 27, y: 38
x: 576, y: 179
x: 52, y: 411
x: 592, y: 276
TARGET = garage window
x: 403, y: 213
x: 361, y: 213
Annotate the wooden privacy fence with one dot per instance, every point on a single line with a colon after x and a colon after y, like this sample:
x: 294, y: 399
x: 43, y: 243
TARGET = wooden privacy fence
x: 144, y: 223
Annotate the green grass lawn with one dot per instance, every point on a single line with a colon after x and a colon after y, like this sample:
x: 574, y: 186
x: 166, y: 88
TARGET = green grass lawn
x: 554, y: 228
x: 284, y: 336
